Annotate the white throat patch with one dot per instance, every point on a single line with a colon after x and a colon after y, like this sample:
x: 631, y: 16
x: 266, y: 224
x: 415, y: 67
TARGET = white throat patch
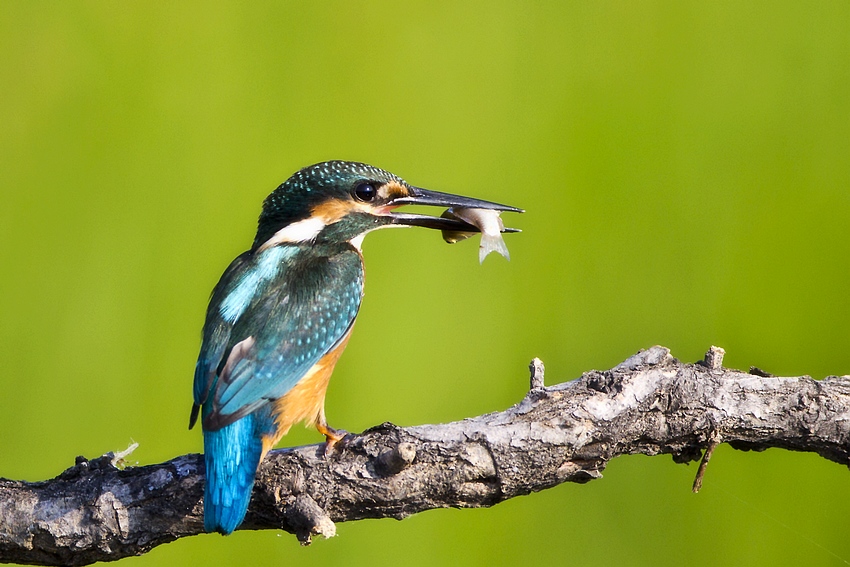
x: 357, y: 241
x: 300, y: 231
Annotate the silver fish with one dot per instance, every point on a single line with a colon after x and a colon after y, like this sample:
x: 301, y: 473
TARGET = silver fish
x: 487, y: 221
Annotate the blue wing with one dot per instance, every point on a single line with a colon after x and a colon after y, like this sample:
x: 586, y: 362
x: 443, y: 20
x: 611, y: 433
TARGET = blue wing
x: 272, y: 317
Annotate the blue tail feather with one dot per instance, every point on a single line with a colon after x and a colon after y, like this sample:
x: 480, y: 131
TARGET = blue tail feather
x: 231, y: 455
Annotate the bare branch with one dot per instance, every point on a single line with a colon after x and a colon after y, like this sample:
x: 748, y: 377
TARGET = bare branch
x: 650, y: 404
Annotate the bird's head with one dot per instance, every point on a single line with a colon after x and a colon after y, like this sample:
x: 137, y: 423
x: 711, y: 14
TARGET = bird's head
x: 339, y: 201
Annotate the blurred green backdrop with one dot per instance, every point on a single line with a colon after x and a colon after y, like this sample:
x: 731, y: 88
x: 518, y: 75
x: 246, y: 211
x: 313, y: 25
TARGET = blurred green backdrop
x: 686, y: 171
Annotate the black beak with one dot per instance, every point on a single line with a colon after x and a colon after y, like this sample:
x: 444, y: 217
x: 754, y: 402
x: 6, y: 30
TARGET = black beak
x: 421, y: 196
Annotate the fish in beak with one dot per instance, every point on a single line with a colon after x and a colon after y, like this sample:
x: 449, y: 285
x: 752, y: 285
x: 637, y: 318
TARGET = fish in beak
x: 421, y: 196
x: 464, y: 217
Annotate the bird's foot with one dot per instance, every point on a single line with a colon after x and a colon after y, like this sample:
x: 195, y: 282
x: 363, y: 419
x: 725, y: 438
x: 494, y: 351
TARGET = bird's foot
x: 333, y: 437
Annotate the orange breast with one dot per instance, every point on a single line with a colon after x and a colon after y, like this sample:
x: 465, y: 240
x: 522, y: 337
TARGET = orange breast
x: 306, y: 400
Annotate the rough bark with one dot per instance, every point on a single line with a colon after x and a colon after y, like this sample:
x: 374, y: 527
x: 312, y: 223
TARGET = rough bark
x: 650, y: 404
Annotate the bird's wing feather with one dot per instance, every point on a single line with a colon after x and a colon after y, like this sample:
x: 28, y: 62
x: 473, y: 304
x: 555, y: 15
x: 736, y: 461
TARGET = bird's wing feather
x: 216, y: 335
x: 293, y: 318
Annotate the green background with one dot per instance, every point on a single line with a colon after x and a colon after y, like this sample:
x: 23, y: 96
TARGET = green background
x: 686, y: 171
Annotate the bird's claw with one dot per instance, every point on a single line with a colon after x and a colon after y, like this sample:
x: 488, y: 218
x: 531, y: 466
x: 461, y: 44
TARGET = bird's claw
x: 333, y: 438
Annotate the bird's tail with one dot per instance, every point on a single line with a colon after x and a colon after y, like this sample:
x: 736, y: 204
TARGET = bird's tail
x: 231, y: 455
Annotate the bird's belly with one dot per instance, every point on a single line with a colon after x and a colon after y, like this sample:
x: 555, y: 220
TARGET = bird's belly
x: 306, y: 400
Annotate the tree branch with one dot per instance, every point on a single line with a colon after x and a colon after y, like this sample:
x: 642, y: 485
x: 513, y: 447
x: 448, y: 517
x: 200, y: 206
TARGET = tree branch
x: 650, y: 404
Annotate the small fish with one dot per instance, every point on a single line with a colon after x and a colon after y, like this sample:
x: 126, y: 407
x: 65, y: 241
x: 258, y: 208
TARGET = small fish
x: 488, y: 222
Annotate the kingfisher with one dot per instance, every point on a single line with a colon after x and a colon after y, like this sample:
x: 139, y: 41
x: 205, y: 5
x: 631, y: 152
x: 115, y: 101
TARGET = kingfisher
x: 282, y: 313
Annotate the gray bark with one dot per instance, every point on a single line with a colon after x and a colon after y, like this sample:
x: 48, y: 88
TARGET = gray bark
x: 650, y: 404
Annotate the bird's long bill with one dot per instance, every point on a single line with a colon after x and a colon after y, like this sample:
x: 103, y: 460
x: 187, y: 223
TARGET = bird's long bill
x: 421, y: 196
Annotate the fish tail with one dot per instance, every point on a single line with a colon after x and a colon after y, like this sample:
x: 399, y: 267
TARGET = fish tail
x: 231, y: 455
x: 492, y: 243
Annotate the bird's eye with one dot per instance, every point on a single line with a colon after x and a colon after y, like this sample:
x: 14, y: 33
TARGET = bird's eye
x: 365, y: 192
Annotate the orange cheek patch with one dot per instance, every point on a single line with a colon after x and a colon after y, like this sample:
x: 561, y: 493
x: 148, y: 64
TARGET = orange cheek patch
x: 393, y: 190
x: 333, y: 210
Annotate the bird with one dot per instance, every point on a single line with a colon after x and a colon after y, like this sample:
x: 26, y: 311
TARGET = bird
x: 282, y: 313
